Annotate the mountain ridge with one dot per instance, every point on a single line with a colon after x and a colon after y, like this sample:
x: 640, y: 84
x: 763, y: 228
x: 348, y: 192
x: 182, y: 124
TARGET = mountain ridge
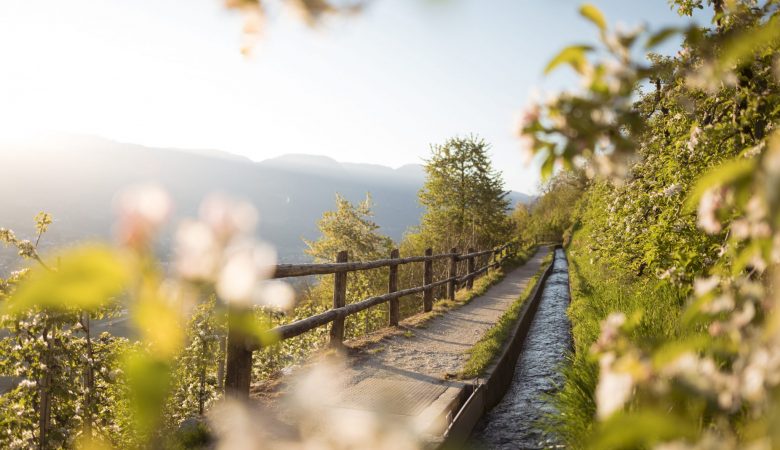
x: 76, y: 179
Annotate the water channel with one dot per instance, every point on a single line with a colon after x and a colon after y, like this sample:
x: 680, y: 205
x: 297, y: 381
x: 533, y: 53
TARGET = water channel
x: 513, y: 423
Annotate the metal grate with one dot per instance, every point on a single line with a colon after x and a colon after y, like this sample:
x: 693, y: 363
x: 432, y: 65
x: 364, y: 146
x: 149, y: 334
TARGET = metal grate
x: 402, y: 397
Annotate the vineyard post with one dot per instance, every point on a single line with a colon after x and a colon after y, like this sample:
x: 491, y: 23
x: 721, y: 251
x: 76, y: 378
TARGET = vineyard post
x: 453, y: 273
x: 392, y: 286
x: 239, y: 358
x: 470, y: 270
x: 339, y: 300
x: 427, y: 280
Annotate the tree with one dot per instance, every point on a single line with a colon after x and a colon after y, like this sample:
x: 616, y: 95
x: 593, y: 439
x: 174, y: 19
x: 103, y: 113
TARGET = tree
x: 464, y: 197
x: 349, y: 227
x: 552, y: 214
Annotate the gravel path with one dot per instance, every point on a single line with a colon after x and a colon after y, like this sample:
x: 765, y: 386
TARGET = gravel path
x: 438, y: 348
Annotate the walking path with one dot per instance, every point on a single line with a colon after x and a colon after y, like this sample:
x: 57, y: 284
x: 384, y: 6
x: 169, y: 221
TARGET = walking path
x: 407, y: 375
x: 440, y: 348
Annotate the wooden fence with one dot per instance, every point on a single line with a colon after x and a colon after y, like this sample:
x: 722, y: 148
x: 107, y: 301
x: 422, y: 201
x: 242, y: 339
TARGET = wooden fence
x: 240, y: 346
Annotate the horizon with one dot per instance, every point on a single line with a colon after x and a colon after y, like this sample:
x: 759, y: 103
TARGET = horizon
x: 220, y: 154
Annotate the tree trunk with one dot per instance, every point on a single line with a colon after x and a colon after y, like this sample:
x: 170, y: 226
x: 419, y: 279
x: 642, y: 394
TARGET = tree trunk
x: 89, y: 374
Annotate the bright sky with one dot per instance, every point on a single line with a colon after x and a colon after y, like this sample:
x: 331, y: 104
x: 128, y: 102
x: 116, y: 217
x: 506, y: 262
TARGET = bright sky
x: 375, y: 88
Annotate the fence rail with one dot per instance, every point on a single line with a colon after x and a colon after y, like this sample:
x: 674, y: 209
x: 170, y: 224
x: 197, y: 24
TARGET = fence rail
x: 240, y: 346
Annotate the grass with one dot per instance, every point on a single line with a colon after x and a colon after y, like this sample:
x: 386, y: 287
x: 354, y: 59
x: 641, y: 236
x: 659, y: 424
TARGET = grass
x: 482, y: 354
x: 598, y: 290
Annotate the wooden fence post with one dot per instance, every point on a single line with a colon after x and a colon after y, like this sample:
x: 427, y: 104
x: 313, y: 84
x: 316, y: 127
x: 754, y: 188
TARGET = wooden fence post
x: 339, y: 300
x: 392, y: 286
x: 470, y: 270
x: 428, y: 279
x: 238, y: 374
x: 452, y: 286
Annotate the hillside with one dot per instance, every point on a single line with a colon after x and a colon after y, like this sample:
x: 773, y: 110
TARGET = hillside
x: 76, y: 177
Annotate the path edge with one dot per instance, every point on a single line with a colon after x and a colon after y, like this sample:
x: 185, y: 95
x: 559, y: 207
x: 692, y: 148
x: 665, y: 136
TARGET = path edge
x: 489, y: 389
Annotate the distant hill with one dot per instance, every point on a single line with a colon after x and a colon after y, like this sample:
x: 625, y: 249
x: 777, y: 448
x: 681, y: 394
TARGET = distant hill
x: 76, y: 177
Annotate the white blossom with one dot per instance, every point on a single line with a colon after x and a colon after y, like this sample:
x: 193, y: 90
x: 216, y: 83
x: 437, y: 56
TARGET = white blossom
x: 672, y: 189
x: 227, y: 217
x: 197, y: 251
x: 614, y: 387
x: 276, y: 294
x: 702, y: 286
x: 709, y: 203
x: 693, y: 141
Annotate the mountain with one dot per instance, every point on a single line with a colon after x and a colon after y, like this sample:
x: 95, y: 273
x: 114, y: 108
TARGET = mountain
x: 76, y: 177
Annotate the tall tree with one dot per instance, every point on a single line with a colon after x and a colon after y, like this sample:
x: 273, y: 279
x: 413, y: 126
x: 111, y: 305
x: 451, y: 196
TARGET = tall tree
x: 464, y: 197
x: 350, y: 227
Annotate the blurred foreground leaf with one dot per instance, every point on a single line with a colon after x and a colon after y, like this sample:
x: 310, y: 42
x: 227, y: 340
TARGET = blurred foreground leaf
x: 727, y: 173
x: 148, y: 382
x: 160, y: 326
x: 573, y: 55
x: 593, y: 14
x: 741, y: 48
x: 641, y: 430
x: 85, y: 278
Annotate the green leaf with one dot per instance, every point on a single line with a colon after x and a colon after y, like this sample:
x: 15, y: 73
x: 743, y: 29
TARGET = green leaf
x: 148, y: 383
x: 641, y: 430
x: 726, y: 173
x: 573, y: 55
x: 742, y: 47
x: 671, y: 350
x: 85, y: 278
x: 593, y: 14
x: 661, y: 36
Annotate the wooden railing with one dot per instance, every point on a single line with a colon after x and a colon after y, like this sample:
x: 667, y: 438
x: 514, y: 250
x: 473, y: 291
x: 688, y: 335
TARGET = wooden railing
x: 240, y: 346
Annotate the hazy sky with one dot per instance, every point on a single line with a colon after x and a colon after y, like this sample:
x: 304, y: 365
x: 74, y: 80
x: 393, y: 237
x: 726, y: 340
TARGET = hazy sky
x: 376, y: 88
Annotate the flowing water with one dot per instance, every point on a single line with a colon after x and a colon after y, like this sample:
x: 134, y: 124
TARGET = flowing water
x: 513, y: 423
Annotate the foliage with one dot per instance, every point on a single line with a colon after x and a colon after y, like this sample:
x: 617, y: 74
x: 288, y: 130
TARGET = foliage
x: 199, y: 369
x: 464, y: 198
x: 683, y: 205
x: 350, y: 228
x: 66, y: 375
x: 75, y: 388
x: 552, y: 214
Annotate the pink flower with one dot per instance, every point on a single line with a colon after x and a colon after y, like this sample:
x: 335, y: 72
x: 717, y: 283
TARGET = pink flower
x: 529, y: 116
x: 143, y: 209
x: 227, y: 217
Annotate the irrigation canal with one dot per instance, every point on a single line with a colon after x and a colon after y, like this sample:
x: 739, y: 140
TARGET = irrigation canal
x: 514, y: 422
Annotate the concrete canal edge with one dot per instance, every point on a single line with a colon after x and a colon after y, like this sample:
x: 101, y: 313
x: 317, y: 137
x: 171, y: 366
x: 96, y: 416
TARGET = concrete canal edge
x: 488, y: 390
